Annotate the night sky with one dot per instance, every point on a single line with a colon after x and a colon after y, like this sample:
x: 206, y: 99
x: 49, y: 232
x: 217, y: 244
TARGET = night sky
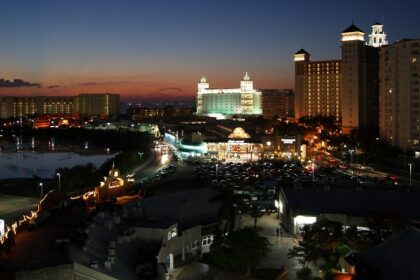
x: 158, y: 50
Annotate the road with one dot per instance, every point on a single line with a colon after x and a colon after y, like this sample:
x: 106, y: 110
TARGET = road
x: 158, y: 160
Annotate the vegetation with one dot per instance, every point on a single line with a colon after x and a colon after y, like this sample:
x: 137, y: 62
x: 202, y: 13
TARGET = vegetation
x: 325, y: 241
x: 230, y: 204
x: 255, y: 212
x: 239, y: 251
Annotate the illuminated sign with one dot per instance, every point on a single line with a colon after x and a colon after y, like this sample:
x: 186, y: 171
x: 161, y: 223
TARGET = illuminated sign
x: 288, y: 141
x: 236, y: 141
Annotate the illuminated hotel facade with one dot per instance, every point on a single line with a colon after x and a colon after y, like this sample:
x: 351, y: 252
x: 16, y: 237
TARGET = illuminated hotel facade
x: 317, y: 86
x: 348, y: 88
x: 223, y: 103
x: 83, y: 104
x: 399, y: 102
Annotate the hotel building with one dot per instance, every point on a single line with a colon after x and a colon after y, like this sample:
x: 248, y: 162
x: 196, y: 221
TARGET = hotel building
x: 83, y: 104
x: 399, y: 98
x: 317, y: 86
x: 347, y: 88
x: 98, y: 104
x: 278, y: 103
x: 223, y: 103
x: 360, y: 81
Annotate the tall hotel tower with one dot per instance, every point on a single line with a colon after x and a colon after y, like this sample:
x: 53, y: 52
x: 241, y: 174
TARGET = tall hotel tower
x: 399, y: 111
x: 317, y: 86
x: 360, y: 84
x: 347, y: 88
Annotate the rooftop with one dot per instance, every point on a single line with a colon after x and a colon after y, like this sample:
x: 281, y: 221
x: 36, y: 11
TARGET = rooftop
x: 351, y: 202
x: 397, y: 257
x: 352, y: 28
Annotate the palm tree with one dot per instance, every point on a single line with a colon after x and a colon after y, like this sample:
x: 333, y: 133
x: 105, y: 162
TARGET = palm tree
x: 255, y: 212
x: 230, y: 204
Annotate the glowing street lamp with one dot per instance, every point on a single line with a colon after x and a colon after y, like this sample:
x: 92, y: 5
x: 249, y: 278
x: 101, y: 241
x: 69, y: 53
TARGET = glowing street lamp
x: 217, y: 172
x: 351, y: 155
x: 411, y: 167
x: 59, y: 181
x: 42, y: 189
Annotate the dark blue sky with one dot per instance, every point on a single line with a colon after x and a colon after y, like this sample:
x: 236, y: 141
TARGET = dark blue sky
x: 159, y: 49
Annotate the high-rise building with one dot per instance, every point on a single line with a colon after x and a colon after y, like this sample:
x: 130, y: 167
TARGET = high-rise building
x: 55, y: 105
x: 98, y: 104
x: 399, y: 102
x: 277, y: 103
x: 85, y: 104
x: 360, y: 81
x: 346, y: 88
x: 317, y: 86
x: 222, y: 103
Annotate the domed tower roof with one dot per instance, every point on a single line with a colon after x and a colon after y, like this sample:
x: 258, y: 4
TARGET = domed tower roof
x: 203, y: 80
x: 114, y: 172
x: 352, y: 28
x: 246, y: 77
x: 301, y: 51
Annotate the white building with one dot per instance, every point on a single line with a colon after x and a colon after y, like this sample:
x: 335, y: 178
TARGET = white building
x: 377, y: 38
x: 222, y: 103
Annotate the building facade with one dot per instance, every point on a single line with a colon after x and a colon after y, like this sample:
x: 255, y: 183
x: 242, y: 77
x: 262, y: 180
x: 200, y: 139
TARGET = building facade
x: 277, y: 103
x: 98, y: 104
x: 347, y: 88
x: 84, y: 104
x: 360, y: 81
x: 378, y: 37
x: 224, y: 103
x: 317, y: 86
x: 399, y: 102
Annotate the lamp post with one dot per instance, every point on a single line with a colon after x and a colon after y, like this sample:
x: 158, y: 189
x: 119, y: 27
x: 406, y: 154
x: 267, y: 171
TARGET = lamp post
x: 217, y: 173
x: 59, y: 181
x: 351, y: 155
x: 42, y: 189
x: 411, y: 167
x: 313, y: 171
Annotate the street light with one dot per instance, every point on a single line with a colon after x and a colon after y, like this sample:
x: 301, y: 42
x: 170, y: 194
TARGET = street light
x: 42, y: 189
x: 351, y: 155
x: 411, y: 167
x: 217, y: 173
x: 313, y: 171
x: 59, y: 181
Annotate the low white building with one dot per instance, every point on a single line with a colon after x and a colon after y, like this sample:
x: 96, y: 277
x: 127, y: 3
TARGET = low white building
x: 225, y: 103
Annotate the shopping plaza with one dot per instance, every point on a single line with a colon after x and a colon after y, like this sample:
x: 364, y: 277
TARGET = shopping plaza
x: 237, y: 146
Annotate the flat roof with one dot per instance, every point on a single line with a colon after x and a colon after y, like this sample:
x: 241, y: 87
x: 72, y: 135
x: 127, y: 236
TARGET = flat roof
x: 351, y: 202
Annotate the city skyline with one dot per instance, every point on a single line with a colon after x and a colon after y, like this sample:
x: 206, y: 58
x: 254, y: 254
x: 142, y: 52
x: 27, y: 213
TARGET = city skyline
x: 151, y: 51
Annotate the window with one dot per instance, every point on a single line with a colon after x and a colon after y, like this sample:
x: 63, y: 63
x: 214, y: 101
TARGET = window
x: 194, y: 244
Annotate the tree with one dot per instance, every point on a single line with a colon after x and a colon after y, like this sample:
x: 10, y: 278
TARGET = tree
x: 255, y: 212
x: 230, y: 203
x: 305, y: 253
x: 319, y: 246
x: 239, y: 250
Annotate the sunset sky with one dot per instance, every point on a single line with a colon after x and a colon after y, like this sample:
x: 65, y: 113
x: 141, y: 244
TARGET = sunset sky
x: 158, y: 50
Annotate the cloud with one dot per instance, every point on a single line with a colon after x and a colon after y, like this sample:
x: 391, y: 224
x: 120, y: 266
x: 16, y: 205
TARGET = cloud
x: 167, y: 91
x: 54, y: 86
x: 103, y: 83
x: 17, y: 83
